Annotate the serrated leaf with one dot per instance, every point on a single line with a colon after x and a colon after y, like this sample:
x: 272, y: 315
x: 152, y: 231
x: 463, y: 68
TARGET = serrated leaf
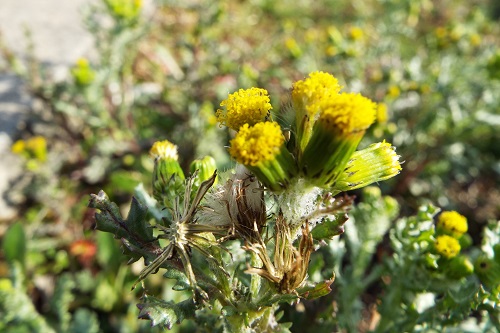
x: 109, y: 219
x: 165, y: 313
x: 182, y: 283
x: 136, y: 220
x: 329, y: 228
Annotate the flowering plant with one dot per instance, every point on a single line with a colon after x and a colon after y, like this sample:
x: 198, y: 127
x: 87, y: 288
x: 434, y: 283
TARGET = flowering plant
x: 277, y: 204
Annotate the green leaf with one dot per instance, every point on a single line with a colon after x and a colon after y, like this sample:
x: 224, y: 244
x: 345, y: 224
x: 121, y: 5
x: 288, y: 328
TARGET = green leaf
x: 61, y: 300
x: 328, y: 228
x: 137, y: 222
x: 84, y: 321
x: 182, y: 283
x: 109, y: 219
x: 14, y: 244
x: 165, y: 313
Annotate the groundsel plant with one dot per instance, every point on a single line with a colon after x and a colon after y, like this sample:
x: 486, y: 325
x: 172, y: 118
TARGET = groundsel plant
x: 240, y: 240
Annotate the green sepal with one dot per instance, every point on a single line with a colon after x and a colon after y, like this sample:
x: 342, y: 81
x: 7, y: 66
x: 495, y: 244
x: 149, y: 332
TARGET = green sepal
x: 327, y: 155
x: 276, y: 174
x: 165, y: 313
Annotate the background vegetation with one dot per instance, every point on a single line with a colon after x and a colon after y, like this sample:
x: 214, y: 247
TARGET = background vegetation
x: 434, y: 65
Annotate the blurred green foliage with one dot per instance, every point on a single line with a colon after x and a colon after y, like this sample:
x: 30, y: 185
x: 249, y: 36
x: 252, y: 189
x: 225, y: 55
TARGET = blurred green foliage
x: 162, y: 72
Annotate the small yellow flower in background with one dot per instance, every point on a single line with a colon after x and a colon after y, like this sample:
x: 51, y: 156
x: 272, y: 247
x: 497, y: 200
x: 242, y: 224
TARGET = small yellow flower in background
x: 124, y: 9
x: 292, y: 46
x: 441, y: 32
x: 261, y: 149
x: 246, y: 106
x: 382, y: 113
x: 475, y: 39
x: 82, y: 73
x: 33, y: 148
x: 452, y: 223
x: 18, y: 147
x: 37, y: 145
x: 356, y: 33
x: 447, y: 246
x: 393, y: 91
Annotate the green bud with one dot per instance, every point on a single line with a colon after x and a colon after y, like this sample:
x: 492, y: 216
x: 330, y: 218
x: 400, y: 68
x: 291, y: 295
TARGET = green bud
x: 168, y: 177
x: 204, y: 169
x: 459, y: 267
x: 375, y: 163
x: 488, y: 271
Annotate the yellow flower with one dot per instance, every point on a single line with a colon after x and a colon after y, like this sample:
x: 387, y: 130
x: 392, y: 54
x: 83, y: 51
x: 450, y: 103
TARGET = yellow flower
x: 37, y: 146
x: 452, y: 223
x: 256, y: 144
x: 335, y: 136
x: 82, y: 72
x: 347, y: 113
x: 18, y: 147
x: 164, y: 150
x: 307, y: 95
x: 447, y: 246
x: 262, y: 150
x: 246, y: 106
x: 317, y: 87
x: 393, y: 91
x: 356, y: 33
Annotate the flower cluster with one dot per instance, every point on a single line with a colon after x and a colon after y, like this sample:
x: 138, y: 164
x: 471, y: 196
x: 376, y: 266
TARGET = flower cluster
x: 324, y: 132
x: 450, y: 228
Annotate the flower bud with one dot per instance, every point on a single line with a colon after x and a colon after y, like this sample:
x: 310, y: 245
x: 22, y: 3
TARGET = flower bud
x: 375, y: 163
x: 459, y: 267
x: 203, y: 169
x: 488, y: 271
x: 168, y: 176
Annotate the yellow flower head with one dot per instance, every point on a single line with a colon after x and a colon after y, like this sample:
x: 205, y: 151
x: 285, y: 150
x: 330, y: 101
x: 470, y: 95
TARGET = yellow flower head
x: 164, y: 150
x: 246, y: 106
x: 256, y: 144
x: 18, y: 147
x: 319, y: 86
x: 452, y: 223
x: 356, y: 33
x: 347, y: 113
x: 447, y: 246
